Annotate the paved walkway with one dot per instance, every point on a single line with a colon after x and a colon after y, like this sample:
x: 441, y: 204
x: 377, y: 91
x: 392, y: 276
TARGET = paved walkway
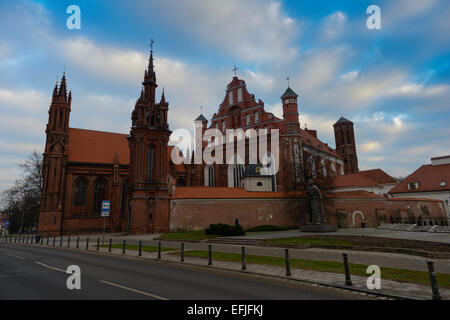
x: 370, y: 232
x: 325, y: 278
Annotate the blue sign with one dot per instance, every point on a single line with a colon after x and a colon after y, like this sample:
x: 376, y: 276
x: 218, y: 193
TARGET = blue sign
x: 6, y: 224
x: 106, y: 207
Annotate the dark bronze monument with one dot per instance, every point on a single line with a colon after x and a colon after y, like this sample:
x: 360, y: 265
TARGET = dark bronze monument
x: 316, y: 217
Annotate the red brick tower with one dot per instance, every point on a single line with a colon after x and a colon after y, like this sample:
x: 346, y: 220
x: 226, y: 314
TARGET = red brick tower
x: 345, y: 144
x: 148, y: 141
x: 55, y: 162
x: 290, y: 141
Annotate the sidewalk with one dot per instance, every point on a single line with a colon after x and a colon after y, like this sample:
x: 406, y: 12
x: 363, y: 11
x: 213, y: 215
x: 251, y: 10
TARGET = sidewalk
x: 393, y: 260
x: 388, y: 287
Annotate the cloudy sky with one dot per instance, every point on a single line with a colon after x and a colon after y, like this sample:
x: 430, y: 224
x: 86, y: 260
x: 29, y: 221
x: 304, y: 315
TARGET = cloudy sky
x: 394, y: 83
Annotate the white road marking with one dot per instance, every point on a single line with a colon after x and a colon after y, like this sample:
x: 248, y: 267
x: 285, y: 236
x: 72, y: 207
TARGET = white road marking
x: 14, y: 256
x: 133, y: 290
x: 50, y: 267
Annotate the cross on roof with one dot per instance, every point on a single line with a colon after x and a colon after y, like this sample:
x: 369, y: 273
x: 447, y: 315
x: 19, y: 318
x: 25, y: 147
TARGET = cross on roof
x: 235, y: 69
x: 201, y: 110
x: 288, y: 81
x: 151, y: 44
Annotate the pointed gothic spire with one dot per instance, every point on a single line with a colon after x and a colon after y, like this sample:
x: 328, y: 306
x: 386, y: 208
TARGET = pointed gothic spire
x: 150, y: 72
x: 163, y: 97
x: 55, y: 92
x: 63, y: 88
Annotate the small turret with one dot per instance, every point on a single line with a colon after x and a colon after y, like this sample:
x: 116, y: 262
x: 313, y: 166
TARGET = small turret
x: 290, y: 111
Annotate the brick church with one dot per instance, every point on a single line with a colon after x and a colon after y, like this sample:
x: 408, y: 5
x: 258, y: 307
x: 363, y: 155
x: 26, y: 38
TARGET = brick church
x: 150, y: 194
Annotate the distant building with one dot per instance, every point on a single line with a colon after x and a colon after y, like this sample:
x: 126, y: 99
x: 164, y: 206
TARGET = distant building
x: 429, y: 181
x: 376, y: 181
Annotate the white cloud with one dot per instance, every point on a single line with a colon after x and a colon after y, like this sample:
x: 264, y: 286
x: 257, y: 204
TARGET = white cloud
x: 334, y: 25
x: 24, y: 100
x: 20, y: 147
x: 251, y: 30
x: 350, y: 76
x: 12, y: 125
x: 370, y: 146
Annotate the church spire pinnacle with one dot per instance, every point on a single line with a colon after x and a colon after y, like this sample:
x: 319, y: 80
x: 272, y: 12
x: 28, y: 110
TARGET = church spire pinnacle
x: 63, y: 88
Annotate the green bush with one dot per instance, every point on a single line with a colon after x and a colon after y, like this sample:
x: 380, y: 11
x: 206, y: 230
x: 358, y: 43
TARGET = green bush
x: 225, y: 230
x: 267, y: 228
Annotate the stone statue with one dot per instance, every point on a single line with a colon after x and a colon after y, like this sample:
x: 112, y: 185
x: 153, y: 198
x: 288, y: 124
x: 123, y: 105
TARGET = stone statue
x: 316, y: 212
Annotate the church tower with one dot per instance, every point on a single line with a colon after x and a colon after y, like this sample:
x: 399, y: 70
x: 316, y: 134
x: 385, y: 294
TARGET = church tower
x: 148, y: 142
x: 345, y: 144
x: 290, y: 141
x: 55, y: 161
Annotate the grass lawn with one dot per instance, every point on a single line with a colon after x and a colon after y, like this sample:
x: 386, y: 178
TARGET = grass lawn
x: 401, y: 275
x: 187, y: 236
x: 135, y: 247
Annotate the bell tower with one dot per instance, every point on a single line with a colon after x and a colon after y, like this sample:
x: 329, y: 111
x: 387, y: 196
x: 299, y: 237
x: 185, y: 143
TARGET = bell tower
x: 148, y: 142
x: 346, y: 145
x: 55, y: 161
x: 291, y: 153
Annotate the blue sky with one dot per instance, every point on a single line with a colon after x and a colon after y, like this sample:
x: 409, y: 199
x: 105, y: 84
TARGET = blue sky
x: 394, y: 83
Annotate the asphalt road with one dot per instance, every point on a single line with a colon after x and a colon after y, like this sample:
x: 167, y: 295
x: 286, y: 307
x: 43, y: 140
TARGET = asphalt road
x: 28, y: 272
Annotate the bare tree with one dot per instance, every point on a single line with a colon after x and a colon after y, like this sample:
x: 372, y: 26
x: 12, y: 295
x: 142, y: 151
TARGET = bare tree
x: 22, y: 201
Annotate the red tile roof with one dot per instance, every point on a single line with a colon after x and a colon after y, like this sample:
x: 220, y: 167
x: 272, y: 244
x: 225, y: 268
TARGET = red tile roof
x: 222, y: 193
x: 235, y: 193
x: 91, y: 146
x: 309, y: 140
x: 429, y: 178
x: 378, y: 176
x: 352, y: 180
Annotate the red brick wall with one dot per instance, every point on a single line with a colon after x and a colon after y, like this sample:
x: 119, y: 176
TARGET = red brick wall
x: 199, y: 214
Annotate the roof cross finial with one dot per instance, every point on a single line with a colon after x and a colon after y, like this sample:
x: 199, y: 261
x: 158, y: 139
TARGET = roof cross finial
x: 201, y: 109
x: 151, y: 44
x: 288, y: 81
x: 235, y: 69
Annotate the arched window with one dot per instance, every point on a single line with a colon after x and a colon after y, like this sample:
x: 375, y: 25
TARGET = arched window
x: 348, y: 136
x: 80, y: 192
x: 238, y: 174
x: 256, y: 117
x: 313, y: 166
x: 248, y: 119
x: 333, y: 169
x: 99, y: 194
x: 224, y: 126
x: 152, y: 121
x: 209, y: 176
x: 324, y: 168
x: 239, y: 94
x: 150, y: 163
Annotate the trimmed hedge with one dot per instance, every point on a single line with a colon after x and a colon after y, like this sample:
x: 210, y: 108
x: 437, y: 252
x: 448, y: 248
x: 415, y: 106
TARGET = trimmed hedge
x: 267, y: 228
x: 225, y: 230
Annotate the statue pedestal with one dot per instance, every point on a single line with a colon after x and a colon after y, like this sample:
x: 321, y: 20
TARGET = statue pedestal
x: 318, y: 228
